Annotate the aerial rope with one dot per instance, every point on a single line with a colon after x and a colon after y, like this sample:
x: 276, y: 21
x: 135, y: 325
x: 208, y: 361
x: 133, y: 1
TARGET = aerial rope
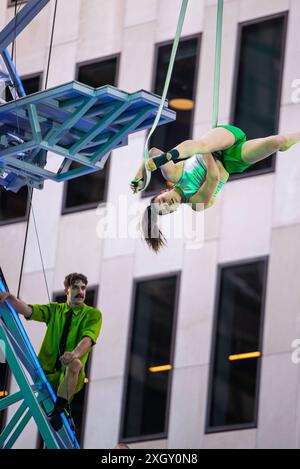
x: 217, y: 76
x: 218, y: 57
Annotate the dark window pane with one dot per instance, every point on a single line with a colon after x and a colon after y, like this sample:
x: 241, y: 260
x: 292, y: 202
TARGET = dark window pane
x: 79, y: 401
x: 31, y: 85
x: 4, y: 370
x: 182, y: 86
x: 11, y: 3
x: 234, y: 382
x: 14, y: 206
x: 146, y: 391
x: 98, y: 74
x: 90, y: 298
x: 260, y: 80
x: 88, y: 191
x: 3, y: 389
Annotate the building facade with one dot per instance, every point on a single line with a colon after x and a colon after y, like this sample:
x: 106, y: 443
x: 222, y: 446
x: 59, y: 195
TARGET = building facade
x: 201, y: 304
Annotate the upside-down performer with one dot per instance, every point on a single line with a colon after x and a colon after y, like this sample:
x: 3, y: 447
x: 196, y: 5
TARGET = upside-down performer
x: 199, y: 169
x: 72, y: 329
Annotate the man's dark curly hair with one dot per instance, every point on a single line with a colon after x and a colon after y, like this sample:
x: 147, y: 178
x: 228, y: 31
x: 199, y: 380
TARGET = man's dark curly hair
x: 72, y: 278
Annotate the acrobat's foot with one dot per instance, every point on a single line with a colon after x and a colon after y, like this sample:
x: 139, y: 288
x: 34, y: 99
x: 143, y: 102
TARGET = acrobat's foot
x: 289, y: 141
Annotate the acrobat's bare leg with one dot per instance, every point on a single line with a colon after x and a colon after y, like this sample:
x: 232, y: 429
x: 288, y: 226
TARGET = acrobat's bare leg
x: 214, y: 140
x: 261, y: 148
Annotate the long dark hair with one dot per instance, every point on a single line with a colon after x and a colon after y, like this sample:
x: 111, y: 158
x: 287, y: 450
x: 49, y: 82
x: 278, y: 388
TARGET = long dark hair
x: 151, y: 232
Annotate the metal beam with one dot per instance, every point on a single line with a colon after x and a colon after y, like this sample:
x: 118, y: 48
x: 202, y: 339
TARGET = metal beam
x: 12, y: 423
x: 19, y: 23
x: 13, y: 74
x: 17, y: 432
x: 9, y: 400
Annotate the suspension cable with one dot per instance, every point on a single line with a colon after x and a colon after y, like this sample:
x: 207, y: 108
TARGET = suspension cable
x: 30, y: 204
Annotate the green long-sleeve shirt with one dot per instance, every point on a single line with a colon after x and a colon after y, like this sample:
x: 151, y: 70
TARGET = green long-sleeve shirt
x: 86, y: 322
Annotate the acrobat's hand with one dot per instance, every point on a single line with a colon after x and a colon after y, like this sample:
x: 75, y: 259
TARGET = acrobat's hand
x: 136, y: 185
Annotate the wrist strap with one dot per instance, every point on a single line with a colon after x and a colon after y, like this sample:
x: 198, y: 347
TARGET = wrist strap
x: 175, y: 154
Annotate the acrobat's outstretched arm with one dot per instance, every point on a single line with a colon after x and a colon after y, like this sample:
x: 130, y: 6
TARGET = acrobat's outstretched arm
x: 137, y: 182
x: 169, y: 171
x: 205, y: 193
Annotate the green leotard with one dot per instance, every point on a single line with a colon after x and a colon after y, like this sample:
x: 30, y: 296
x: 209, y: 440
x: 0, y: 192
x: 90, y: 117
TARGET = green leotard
x: 232, y: 157
x: 194, y: 168
x: 193, y: 177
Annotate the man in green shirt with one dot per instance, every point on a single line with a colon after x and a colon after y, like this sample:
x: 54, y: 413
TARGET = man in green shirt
x: 72, y: 330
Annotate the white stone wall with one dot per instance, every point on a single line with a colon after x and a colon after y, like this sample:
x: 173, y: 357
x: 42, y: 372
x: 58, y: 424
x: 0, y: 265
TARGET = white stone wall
x: 257, y: 216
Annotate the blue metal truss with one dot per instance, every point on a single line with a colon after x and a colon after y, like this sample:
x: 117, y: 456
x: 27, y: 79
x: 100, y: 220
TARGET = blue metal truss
x: 35, y: 397
x: 77, y: 122
x: 8, y: 74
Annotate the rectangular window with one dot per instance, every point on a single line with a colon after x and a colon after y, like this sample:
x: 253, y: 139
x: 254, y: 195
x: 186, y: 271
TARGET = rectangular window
x: 14, y: 207
x: 148, y: 378
x: 237, y: 346
x: 181, y: 96
x: 12, y: 3
x: 4, y: 371
x: 32, y: 84
x: 90, y: 190
x: 4, y: 376
x: 78, y: 404
x: 256, y: 109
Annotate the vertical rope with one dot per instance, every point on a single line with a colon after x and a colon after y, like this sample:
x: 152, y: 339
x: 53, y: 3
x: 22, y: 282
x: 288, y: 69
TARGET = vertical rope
x: 218, y: 64
x: 51, y: 45
x: 166, y: 85
x: 30, y: 195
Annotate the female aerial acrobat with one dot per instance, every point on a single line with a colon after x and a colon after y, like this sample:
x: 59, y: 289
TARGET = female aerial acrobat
x: 207, y: 164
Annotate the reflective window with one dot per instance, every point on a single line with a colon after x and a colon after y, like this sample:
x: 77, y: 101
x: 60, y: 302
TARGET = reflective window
x: 233, y: 393
x: 148, y: 381
x: 78, y: 404
x: 13, y: 207
x: 4, y: 373
x: 12, y: 3
x: 259, y: 80
x: 181, y: 96
x: 88, y: 191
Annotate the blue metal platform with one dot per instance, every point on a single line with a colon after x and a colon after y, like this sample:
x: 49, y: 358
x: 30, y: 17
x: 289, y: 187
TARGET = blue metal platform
x: 75, y: 121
